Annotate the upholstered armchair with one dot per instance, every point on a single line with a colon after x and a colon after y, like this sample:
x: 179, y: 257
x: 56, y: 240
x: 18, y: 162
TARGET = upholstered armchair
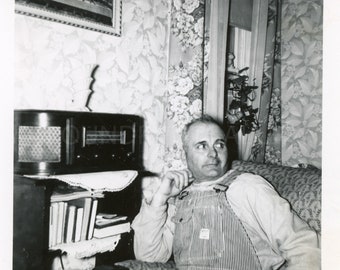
x: 300, y: 186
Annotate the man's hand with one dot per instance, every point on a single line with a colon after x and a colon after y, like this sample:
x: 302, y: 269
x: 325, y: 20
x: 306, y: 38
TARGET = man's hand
x: 172, y: 184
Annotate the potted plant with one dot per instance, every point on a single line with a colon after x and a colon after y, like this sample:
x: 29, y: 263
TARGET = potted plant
x: 240, y: 113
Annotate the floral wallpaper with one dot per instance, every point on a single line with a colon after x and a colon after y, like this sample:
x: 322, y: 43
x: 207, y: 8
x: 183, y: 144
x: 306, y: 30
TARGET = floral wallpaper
x: 301, y: 72
x: 185, y: 77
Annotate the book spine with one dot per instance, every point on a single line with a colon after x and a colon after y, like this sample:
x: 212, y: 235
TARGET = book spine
x: 86, y: 218
x: 54, y: 222
x: 112, y: 230
x: 92, y: 219
x: 50, y: 228
x: 70, y: 224
x: 63, y: 233
x: 60, y: 222
x: 79, y: 221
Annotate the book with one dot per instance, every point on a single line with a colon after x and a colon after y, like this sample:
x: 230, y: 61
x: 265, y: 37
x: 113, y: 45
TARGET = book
x: 105, y: 216
x: 103, y: 220
x: 79, y: 222
x: 86, y: 218
x: 92, y: 219
x: 85, y: 204
x: 64, y: 221
x: 50, y: 224
x: 54, y: 223
x: 110, y: 230
x: 60, y: 222
x: 70, y: 223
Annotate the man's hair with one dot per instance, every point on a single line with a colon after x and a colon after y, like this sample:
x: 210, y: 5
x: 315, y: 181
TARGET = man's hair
x: 205, y: 119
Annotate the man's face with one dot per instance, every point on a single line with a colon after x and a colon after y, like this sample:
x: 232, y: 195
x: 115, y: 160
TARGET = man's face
x: 206, y: 151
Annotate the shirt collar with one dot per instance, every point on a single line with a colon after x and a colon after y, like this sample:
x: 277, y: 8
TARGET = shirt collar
x: 208, y: 184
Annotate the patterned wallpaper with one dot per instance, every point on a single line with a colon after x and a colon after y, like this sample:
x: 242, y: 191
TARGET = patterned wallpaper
x: 54, y: 63
x: 185, y: 84
x: 301, y: 81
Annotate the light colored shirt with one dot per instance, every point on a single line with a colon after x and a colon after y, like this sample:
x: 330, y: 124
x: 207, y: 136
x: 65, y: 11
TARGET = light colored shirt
x: 277, y: 234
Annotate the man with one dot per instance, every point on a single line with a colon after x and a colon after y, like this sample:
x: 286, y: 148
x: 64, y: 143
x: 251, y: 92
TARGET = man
x: 209, y: 218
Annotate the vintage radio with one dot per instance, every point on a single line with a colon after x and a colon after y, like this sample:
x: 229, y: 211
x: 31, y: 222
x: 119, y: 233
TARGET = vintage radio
x: 59, y: 142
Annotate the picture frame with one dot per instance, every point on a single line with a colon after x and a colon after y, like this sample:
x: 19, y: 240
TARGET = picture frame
x: 98, y: 15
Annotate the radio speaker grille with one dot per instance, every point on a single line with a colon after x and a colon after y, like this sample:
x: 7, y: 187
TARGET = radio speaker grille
x: 39, y: 144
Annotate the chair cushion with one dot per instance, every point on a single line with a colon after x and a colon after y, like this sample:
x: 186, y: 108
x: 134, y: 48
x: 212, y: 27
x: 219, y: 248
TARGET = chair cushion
x: 301, y: 187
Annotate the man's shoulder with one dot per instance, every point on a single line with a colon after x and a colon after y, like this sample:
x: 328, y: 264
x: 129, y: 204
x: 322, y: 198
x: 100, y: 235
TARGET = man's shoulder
x: 248, y: 181
x: 248, y: 188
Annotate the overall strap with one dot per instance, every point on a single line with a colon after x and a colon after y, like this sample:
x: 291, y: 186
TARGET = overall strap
x: 209, y: 237
x: 229, y: 178
x: 237, y: 235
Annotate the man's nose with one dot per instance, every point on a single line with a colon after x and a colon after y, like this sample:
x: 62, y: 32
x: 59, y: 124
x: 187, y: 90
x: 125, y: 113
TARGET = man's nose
x: 212, y: 152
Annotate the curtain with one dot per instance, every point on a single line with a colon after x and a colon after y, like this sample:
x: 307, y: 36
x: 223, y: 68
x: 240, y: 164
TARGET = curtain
x: 267, y: 143
x: 242, y: 46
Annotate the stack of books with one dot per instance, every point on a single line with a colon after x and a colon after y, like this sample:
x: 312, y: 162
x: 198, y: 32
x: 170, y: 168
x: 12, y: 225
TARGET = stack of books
x: 72, y: 215
x: 107, y: 225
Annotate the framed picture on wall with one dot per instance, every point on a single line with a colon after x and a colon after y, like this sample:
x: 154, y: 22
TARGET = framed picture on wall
x: 98, y: 15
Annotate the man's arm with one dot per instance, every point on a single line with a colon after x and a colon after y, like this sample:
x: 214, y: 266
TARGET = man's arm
x: 153, y: 227
x: 288, y: 234
x: 153, y: 233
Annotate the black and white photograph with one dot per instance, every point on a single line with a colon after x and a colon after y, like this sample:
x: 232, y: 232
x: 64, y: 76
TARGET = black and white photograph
x: 170, y: 134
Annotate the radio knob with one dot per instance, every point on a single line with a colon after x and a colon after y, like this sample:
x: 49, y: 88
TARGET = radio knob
x: 81, y: 159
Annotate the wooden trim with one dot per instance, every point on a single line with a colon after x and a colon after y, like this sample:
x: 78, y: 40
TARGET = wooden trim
x: 258, y: 43
x: 216, y: 28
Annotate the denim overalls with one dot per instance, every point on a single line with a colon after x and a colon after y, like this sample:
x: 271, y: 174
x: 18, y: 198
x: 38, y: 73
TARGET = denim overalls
x: 208, y: 235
